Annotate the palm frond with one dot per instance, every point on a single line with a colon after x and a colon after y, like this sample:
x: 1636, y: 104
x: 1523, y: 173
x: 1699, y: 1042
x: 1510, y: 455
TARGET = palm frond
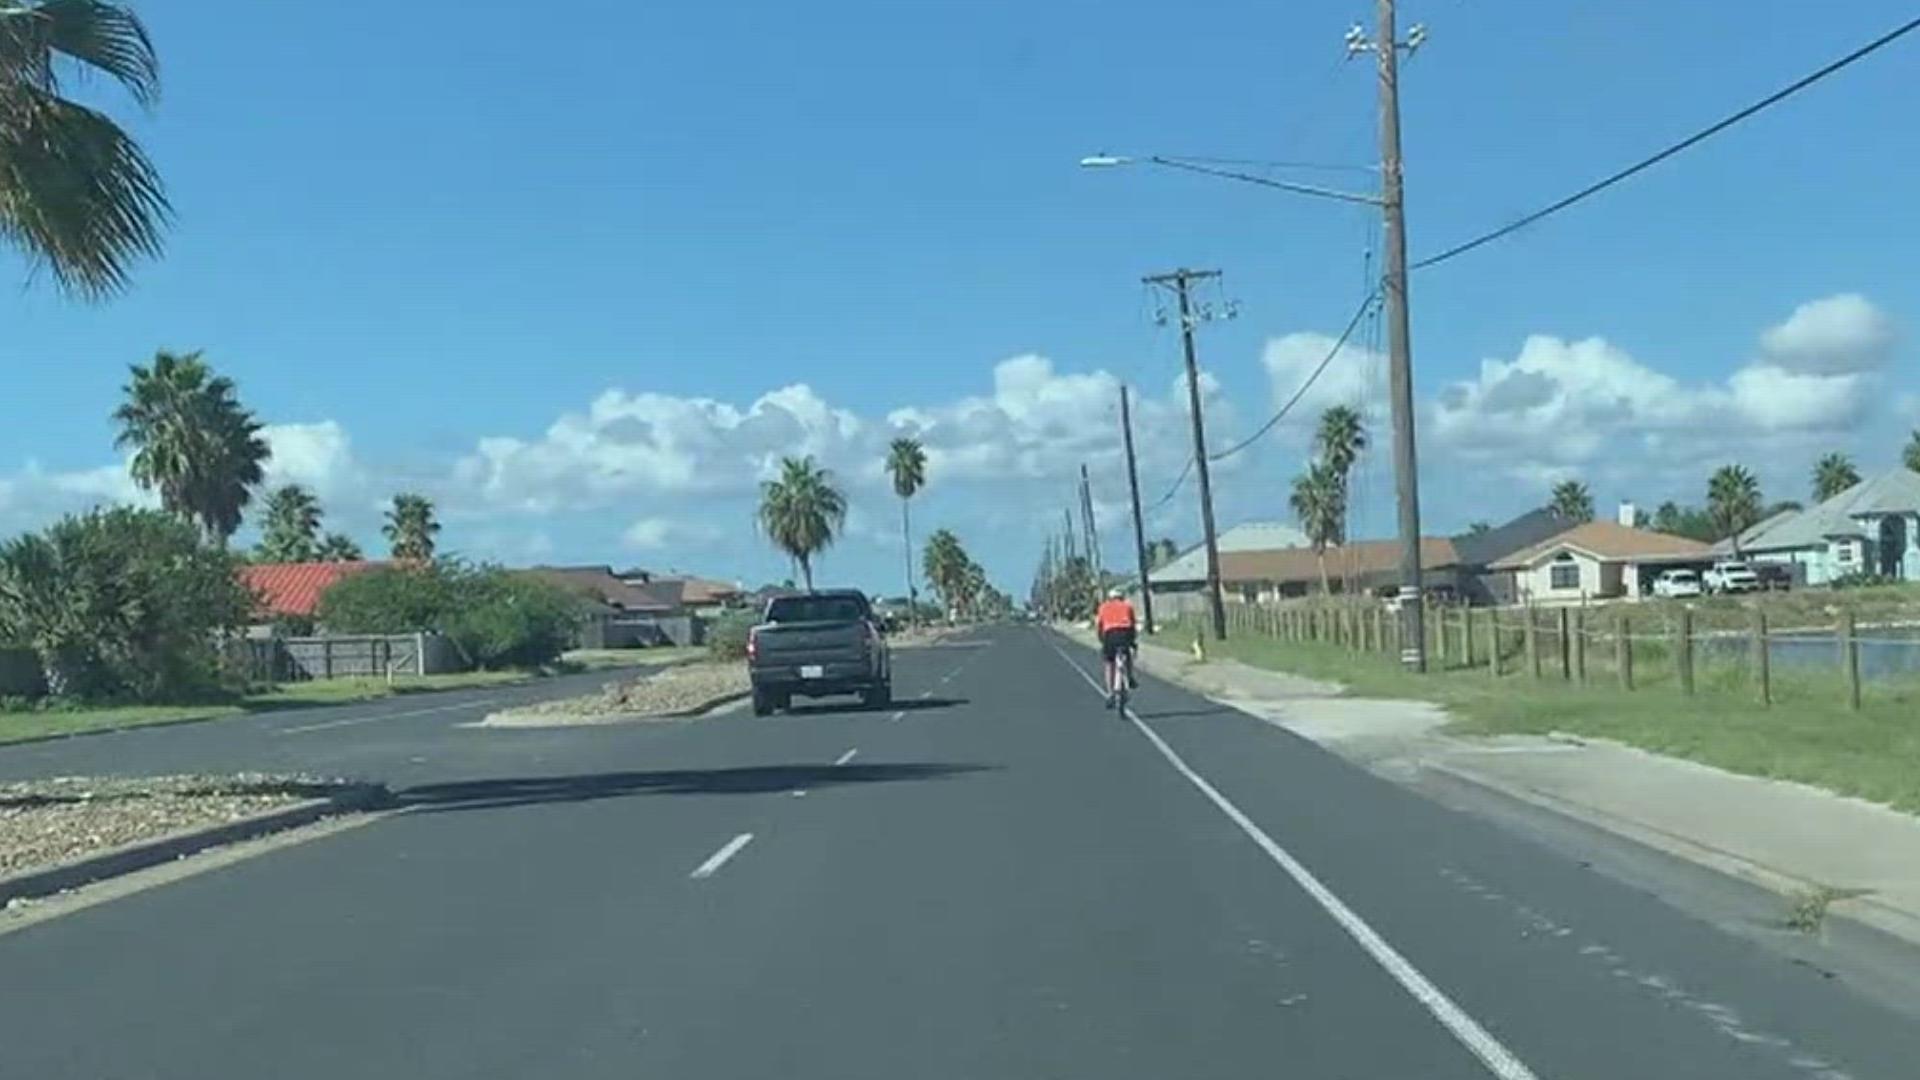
x: 108, y: 38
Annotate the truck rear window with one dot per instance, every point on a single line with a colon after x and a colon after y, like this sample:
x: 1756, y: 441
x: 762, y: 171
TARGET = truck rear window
x: 816, y: 609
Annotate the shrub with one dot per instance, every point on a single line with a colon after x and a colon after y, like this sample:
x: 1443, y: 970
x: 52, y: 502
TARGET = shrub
x: 122, y: 604
x: 495, y: 618
x: 727, y: 636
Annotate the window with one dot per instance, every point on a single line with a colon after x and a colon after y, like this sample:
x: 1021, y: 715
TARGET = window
x: 1843, y: 551
x: 1565, y: 573
x: 791, y: 609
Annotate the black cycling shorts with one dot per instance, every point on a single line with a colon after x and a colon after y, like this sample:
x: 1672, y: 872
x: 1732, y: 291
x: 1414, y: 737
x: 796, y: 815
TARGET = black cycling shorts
x: 1115, y: 641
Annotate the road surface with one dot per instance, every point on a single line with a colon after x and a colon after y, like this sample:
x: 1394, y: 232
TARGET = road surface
x: 994, y: 878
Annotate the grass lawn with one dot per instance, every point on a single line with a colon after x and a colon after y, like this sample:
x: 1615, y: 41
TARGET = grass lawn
x: 1808, y: 734
x: 600, y: 659
x: 30, y: 724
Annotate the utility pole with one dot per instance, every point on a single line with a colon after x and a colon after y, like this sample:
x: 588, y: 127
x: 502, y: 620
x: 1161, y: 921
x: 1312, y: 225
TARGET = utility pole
x: 1086, y: 519
x: 1182, y: 281
x: 1386, y: 46
x: 1139, y: 526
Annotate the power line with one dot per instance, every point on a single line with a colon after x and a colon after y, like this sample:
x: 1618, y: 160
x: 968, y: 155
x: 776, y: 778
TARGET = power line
x: 1698, y: 137
x: 1352, y: 324
x: 1175, y: 489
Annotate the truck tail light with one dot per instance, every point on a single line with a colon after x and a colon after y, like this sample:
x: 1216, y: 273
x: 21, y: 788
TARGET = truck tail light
x: 753, y: 644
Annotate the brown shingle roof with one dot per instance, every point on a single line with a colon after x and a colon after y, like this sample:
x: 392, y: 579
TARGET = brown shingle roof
x: 1301, y: 564
x: 1607, y: 540
x: 599, y: 583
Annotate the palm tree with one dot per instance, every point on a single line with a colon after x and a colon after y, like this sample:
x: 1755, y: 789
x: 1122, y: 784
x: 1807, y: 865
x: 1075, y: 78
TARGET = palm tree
x: 338, y: 547
x: 907, y: 462
x: 1479, y: 528
x: 1833, y: 474
x: 193, y: 442
x: 291, y: 531
x: 76, y: 192
x: 411, y: 527
x: 1161, y: 552
x: 1340, y: 439
x: 1910, y: 456
x: 1319, y: 501
x: 944, y: 563
x: 802, y: 512
x: 1733, y: 501
x: 1571, y: 501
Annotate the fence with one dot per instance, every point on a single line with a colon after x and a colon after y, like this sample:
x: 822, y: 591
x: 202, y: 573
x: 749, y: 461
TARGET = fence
x: 296, y: 659
x: 1631, y: 647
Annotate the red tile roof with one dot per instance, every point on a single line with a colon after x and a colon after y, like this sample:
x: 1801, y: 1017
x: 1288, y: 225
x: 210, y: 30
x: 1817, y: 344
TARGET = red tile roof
x: 295, y: 588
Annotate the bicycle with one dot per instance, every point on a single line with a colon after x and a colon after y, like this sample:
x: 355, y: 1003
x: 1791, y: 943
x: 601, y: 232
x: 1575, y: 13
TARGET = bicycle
x: 1120, y: 684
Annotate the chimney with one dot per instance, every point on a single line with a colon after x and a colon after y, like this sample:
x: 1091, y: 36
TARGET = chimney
x: 1629, y: 515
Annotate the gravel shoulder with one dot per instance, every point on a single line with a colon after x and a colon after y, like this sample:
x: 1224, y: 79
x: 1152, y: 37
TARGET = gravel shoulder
x: 43, y: 822
x: 663, y: 694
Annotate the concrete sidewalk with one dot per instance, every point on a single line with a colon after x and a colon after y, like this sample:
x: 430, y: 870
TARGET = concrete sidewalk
x: 1788, y: 837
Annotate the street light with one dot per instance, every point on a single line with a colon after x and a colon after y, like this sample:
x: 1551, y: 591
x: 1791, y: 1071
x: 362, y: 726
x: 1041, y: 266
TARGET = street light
x: 1110, y: 161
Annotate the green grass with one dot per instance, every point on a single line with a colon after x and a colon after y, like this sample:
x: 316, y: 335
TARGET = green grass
x: 1808, y: 734
x: 602, y: 659
x: 22, y: 724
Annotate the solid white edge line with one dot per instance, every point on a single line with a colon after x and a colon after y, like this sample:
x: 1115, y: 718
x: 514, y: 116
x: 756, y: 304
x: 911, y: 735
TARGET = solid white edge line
x: 1500, y: 1061
x: 719, y: 858
x: 846, y: 757
x: 351, y: 721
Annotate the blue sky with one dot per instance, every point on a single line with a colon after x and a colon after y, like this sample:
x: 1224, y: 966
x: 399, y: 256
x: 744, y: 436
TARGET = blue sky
x: 546, y: 267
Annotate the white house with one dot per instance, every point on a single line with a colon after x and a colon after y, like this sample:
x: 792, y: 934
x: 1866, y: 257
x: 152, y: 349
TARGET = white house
x: 1597, y: 560
x: 1872, y: 527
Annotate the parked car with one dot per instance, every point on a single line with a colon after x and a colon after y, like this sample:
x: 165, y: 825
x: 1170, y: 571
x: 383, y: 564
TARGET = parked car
x: 1674, y: 584
x: 815, y: 645
x: 1774, y: 576
x: 1731, y: 576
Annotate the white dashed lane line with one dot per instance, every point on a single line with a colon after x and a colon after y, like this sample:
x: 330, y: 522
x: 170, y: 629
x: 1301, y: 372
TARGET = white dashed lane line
x: 848, y: 756
x: 719, y: 858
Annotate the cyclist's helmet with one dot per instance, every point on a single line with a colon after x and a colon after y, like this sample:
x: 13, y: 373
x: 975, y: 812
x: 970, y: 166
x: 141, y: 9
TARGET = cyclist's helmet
x: 1117, y: 593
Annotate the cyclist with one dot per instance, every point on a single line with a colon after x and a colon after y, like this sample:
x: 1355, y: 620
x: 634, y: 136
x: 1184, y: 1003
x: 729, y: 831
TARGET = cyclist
x: 1114, y: 622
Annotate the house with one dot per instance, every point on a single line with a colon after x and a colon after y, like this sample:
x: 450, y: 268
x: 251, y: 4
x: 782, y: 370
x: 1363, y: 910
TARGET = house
x: 1188, y: 572
x: 1871, y: 528
x: 291, y: 591
x: 1597, y: 560
x: 702, y: 596
x: 1477, y: 552
x: 621, y: 615
x: 1369, y: 565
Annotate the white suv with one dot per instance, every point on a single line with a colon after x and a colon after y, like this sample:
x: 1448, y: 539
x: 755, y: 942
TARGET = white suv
x: 1732, y: 577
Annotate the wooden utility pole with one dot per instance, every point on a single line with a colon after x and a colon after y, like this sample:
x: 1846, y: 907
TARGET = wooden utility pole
x: 1182, y: 281
x: 1139, y: 526
x: 1386, y: 47
x: 1086, y: 519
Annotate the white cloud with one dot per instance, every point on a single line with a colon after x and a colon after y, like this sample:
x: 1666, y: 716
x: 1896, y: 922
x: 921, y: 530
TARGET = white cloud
x: 1356, y: 377
x: 660, y: 533
x: 1837, y: 335
x: 318, y: 456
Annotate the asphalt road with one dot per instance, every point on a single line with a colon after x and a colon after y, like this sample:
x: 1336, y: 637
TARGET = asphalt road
x: 995, y: 879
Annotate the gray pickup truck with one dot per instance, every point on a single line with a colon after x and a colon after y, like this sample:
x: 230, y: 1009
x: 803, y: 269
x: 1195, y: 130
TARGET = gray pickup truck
x: 816, y: 644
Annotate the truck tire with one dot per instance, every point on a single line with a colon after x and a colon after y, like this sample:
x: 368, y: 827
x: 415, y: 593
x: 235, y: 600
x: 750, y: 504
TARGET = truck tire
x: 877, y: 696
x: 763, y: 703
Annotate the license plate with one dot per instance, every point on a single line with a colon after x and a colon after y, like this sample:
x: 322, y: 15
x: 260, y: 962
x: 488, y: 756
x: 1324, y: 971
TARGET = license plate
x: 812, y: 671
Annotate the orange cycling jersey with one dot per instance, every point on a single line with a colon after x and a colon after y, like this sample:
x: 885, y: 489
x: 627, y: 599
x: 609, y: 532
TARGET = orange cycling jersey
x: 1113, y: 615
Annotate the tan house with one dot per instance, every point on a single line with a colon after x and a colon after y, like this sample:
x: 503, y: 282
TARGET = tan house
x: 1597, y: 561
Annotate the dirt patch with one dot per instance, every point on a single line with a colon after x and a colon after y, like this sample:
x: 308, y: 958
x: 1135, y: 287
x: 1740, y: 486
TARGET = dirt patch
x: 669, y: 692
x: 43, y: 822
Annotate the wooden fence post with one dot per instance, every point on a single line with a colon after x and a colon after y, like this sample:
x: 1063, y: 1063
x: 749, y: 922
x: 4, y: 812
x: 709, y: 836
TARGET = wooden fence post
x: 1623, y: 651
x: 1440, y: 635
x: 1683, y: 650
x: 1580, y: 645
x: 1566, y: 647
x: 1533, y: 641
x: 326, y: 657
x: 1493, y: 642
x: 1466, y: 637
x: 1762, y: 658
x: 1850, y: 658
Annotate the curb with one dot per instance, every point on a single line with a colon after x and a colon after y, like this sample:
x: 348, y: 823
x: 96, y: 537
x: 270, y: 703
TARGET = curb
x: 1867, y: 909
x: 709, y: 705
x: 141, y: 854
x: 608, y: 719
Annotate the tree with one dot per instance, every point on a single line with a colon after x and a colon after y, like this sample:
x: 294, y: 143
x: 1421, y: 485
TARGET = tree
x: 1910, y: 455
x: 802, y: 512
x: 907, y: 464
x: 1161, y: 552
x: 338, y: 547
x: 1572, y: 501
x: 1479, y: 528
x: 122, y: 604
x: 411, y: 527
x: 1833, y: 474
x: 1319, y: 501
x: 1733, y: 502
x: 1340, y: 440
x: 494, y: 617
x: 945, y: 564
x: 291, y: 530
x: 1691, y: 522
x: 193, y: 442
x: 76, y: 192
